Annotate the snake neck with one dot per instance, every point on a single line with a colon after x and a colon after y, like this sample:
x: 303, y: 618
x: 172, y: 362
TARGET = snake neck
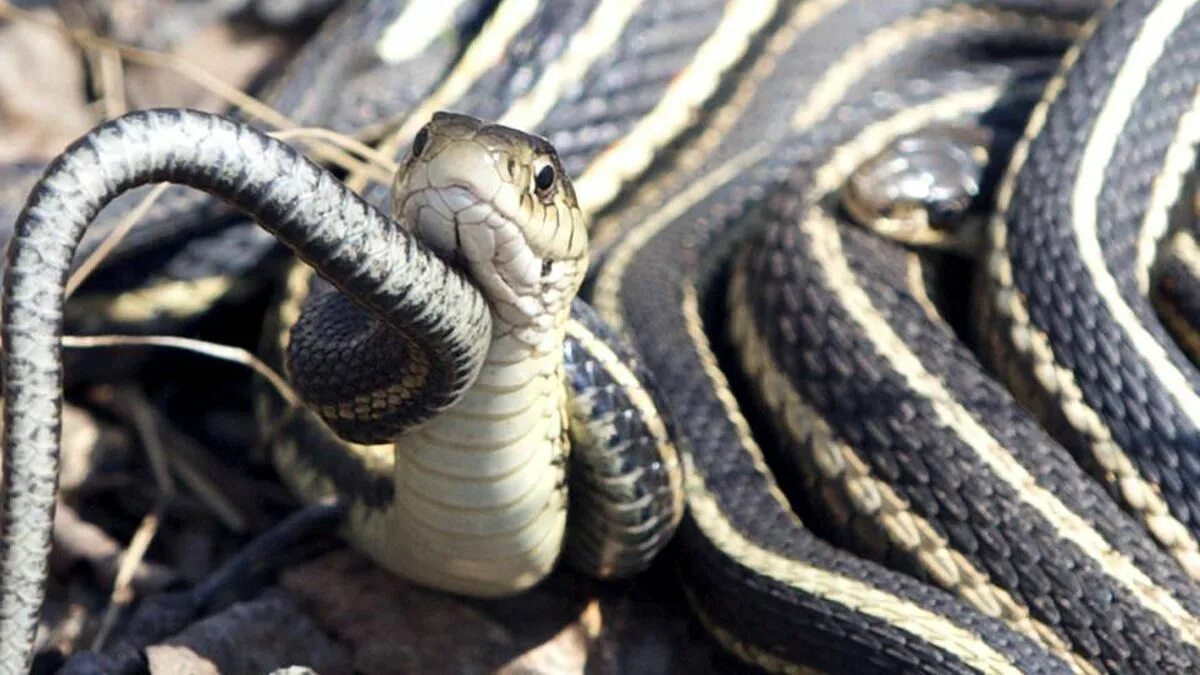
x: 480, y: 495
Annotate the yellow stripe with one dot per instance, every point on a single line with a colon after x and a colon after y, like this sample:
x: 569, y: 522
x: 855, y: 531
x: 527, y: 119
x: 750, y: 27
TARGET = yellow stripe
x: 1183, y: 250
x: 894, y: 38
x: 484, y: 53
x: 914, y: 281
x: 651, y: 194
x: 854, y: 595
x: 1143, y: 54
x: 417, y: 26
x: 593, y: 40
x: 632, y: 388
x: 875, y: 499
x: 743, y: 650
x: 826, y: 244
x: 606, y: 296
x: 1167, y: 190
x: 608, y: 280
x: 677, y: 108
x: 1030, y: 341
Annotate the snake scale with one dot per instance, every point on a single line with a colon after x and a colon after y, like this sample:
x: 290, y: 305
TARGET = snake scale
x: 861, y: 496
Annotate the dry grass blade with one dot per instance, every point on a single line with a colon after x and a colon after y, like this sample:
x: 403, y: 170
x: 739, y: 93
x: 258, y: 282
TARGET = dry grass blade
x: 253, y: 107
x: 209, y: 349
x: 185, y: 467
x: 89, y: 40
x: 142, y: 417
x: 107, y: 58
x: 122, y: 594
x: 112, y: 83
x: 379, y: 166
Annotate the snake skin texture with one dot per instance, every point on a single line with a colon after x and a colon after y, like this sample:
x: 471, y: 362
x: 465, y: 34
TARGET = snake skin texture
x: 823, y: 361
x: 304, y: 205
x: 1064, y: 299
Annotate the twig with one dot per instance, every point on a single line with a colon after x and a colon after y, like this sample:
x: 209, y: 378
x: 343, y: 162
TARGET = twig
x: 122, y: 593
x: 216, y: 351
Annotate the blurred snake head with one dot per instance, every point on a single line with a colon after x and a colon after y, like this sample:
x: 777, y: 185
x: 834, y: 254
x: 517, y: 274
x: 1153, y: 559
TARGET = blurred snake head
x: 925, y: 189
x: 496, y: 200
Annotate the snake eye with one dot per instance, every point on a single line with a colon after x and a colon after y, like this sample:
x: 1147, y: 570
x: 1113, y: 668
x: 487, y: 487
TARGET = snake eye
x: 420, y: 141
x: 544, y: 179
x: 546, y: 267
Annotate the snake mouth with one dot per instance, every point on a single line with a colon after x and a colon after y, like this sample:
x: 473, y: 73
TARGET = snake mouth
x: 475, y: 234
x: 455, y: 221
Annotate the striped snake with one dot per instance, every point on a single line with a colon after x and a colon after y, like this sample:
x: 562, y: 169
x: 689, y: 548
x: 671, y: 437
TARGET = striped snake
x: 905, y: 452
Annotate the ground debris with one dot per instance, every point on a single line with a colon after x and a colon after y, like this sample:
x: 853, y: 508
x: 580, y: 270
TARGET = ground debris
x: 567, y: 624
x: 39, y: 115
x: 252, y: 638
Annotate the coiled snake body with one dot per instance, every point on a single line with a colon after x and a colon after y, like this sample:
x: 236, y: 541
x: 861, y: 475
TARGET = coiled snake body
x: 482, y: 487
x: 989, y: 550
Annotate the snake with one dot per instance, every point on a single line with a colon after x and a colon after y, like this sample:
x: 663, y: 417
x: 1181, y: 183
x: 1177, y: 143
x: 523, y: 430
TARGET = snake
x: 691, y: 40
x: 881, y: 424
x: 484, y: 486
x: 765, y: 586
x: 483, y: 391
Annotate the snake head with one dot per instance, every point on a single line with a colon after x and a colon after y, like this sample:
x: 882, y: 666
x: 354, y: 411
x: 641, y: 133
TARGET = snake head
x: 497, y: 201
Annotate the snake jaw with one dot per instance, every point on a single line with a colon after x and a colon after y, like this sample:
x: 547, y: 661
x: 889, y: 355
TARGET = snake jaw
x: 470, y: 191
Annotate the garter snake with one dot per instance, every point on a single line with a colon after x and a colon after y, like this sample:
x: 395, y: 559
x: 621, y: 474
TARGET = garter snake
x: 483, y: 486
x: 740, y: 535
x: 875, y: 406
x: 1108, y: 382
x: 479, y: 383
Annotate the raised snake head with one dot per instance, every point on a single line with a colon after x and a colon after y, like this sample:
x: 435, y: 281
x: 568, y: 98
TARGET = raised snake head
x: 497, y: 201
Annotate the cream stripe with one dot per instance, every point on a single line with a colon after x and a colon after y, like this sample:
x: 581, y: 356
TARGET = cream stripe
x: 1067, y: 524
x: 632, y: 388
x: 678, y: 105
x: 914, y: 281
x: 594, y: 39
x: 822, y: 233
x: 893, y: 38
x: 1142, y: 56
x: 743, y: 650
x: 419, y: 24
x: 1168, y: 188
x: 485, y: 51
x: 851, y: 593
x: 1033, y: 343
x: 1184, y: 249
x: 651, y: 194
x: 608, y: 281
x: 875, y: 499
x: 606, y: 295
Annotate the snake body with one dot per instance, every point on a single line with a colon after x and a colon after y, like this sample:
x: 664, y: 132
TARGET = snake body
x: 907, y: 454
x: 826, y: 328
x: 1108, y: 383
x: 483, y: 486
